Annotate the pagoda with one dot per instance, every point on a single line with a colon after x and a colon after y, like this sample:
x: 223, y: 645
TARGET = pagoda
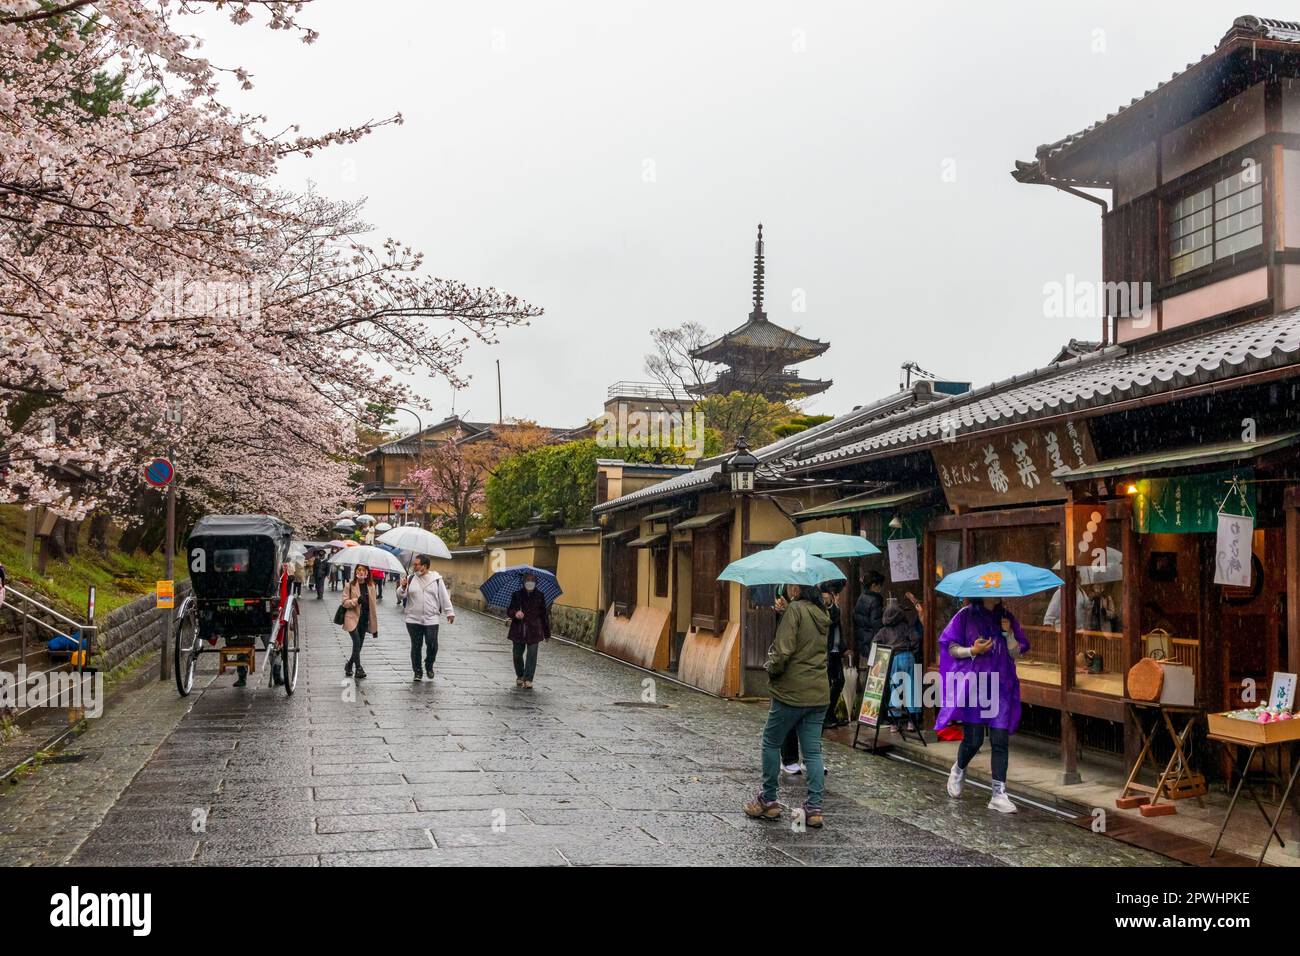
x: 758, y: 354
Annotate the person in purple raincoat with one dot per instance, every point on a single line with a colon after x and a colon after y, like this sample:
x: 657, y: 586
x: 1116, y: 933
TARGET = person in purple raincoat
x: 981, y: 690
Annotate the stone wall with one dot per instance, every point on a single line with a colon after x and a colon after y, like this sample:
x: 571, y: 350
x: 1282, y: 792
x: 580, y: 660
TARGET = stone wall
x: 575, y: 624
x: 132, y: 629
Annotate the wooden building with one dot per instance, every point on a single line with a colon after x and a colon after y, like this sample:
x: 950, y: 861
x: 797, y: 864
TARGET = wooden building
x: 664, y: 545
x: 1128, y: 453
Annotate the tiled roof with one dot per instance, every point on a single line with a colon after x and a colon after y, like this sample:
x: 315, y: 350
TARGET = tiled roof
x: 760, y: 333
x: 1243, y: 28
x: 776, y: 456
x: 1115, y: 374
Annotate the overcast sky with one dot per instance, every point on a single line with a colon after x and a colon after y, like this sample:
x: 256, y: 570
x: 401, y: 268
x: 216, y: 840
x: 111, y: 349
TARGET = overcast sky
x: 609, y: 160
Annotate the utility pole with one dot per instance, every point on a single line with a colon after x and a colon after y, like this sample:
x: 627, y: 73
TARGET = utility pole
x: 500, y: 417
x: 173, y: 417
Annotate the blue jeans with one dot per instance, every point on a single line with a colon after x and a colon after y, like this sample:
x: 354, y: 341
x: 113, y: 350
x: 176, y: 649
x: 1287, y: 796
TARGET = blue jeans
x: 806, y: 722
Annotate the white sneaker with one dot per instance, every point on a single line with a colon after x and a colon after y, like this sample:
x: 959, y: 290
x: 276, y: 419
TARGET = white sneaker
x: 1002, y: 803
x: 955, y: 779
x: 793, y: 769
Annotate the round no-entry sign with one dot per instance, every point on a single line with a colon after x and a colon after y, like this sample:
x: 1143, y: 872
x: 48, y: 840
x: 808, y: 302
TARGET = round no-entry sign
x: 159, y: 472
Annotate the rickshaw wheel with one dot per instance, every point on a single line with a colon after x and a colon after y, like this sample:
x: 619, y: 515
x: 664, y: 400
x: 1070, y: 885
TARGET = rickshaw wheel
x: 185, y: 656
x: 289, y: 655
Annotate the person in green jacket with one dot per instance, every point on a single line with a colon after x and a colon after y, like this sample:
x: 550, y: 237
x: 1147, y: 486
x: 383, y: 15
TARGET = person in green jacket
x: 801, y: 691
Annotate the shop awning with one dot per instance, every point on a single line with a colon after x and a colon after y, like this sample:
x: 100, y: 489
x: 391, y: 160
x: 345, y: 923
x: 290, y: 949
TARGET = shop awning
x: 649, y: 540
x: 704, y: 521
x: 868, y: 501
x: 617, y: 535
x: 664, y: 515
x: 1193, y: 456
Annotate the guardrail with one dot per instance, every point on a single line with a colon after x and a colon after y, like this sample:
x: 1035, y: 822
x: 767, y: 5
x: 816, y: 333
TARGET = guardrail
x: 36, y: 614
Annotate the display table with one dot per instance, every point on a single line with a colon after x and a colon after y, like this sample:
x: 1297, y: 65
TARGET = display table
x: 1176, y: 780
x: 1230, y: 733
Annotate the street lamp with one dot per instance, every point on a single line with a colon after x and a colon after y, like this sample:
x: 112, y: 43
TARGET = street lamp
x: 741, y: 467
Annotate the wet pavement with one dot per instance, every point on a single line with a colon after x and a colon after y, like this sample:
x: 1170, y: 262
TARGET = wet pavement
x: 597, y: 764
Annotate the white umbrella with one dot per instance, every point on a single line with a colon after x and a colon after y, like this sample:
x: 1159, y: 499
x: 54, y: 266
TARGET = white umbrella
x: 370, y: 557
x: 383, y: 526
x: 347, y: 524
x: 347, y: 513
x: 1090, y: 573
x: 365, y: 519
x: 418, y: 540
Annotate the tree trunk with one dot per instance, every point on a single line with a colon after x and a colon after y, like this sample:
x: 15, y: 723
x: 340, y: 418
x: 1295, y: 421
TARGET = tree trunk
x: 98, y: 535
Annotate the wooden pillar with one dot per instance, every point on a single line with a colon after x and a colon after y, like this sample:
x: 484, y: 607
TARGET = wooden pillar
x: 1131, y: 547
x: 929, y: 635
x: 1292, y: 547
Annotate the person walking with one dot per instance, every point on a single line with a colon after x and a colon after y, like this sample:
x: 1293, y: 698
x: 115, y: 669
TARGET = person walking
x: 320, y: 570
x: 299, y: 574
x: 977, y: 649
x: 427, y: 602
x: 378, y: 577
x: 360, y: 617
x: 530, y: 624
x: 800, y: 689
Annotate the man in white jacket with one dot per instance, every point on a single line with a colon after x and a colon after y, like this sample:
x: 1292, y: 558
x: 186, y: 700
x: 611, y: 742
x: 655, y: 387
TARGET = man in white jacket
x: 427, y: 603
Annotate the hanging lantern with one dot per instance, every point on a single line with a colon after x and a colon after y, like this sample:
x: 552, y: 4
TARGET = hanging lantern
x: 741, y: 467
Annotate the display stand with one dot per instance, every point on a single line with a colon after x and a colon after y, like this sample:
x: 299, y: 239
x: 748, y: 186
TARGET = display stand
x: 1288, y: 792
x: 877, y: 710
x: 1176, y: 780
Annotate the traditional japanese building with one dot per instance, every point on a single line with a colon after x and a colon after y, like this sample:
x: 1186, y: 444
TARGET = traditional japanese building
x: 759, y: 354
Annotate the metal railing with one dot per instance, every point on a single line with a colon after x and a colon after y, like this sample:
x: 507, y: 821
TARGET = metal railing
x: 643, y: 390
x: 35, y: 613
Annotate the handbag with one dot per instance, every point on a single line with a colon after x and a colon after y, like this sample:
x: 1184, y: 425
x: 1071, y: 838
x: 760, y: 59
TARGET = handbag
x: 1146, y: 679
x: 339, y: 615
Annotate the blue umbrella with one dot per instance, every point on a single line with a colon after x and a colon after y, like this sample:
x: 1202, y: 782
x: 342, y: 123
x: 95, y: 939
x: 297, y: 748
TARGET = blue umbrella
x: 792, y: 566
x: 501, y: 586
x: 828, y: 544
x: 998, y: 579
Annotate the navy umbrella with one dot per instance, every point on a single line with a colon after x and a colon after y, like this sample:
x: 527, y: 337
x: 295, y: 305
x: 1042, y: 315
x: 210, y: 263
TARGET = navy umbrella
x: 501, y: 586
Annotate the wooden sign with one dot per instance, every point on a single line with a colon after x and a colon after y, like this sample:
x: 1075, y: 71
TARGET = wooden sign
x: 1086, y: 525
x: 1013, y: 467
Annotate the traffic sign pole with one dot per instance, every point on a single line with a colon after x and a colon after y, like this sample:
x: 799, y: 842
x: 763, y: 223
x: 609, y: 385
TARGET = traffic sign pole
x: 169, y: 566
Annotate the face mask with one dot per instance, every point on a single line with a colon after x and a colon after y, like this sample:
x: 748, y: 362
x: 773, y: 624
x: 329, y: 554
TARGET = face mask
x: 529, y: 585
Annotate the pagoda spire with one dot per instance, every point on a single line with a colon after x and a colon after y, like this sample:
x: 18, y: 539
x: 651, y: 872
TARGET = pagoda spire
x: 758, y: 312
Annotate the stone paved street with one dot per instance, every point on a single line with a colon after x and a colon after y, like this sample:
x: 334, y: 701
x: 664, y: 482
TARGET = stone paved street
x: 467, y: 769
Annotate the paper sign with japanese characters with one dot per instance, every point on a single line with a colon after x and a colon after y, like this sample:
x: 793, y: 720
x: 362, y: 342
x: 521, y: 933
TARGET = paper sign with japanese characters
x: 1232, y: 550
x: 1013, y: 467
x: 903, y: 564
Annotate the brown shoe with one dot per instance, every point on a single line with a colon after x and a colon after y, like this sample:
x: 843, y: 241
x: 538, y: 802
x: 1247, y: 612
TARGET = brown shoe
x: 519, y: 682
x: 528, y: 685
x: 812, y: 817
x: 760, y: 809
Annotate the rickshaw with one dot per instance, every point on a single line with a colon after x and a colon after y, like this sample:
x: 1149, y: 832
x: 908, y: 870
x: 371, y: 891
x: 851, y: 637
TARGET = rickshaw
x: 241, y: 592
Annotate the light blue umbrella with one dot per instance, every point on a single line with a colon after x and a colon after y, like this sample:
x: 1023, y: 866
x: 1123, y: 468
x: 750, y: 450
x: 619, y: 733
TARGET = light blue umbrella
x: 828, y: 544
x: 998, y: 579
x: 791, y: 566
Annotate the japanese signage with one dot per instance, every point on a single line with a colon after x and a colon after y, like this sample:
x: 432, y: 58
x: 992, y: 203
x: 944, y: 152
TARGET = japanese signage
x: 1013, y: 467
x: 1232, y: 550
x: 1191, y: 503
x: 1087, y: 534
x: 903, y: 564
x: 166, y: 594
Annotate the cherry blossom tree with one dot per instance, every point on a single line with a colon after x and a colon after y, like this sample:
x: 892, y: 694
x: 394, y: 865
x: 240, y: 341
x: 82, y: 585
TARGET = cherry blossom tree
x: 156, y: 293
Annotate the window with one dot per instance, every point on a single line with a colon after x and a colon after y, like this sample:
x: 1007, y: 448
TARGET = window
x: 230, y: 560
x: 1040, y: 545
x: 1216, y: 222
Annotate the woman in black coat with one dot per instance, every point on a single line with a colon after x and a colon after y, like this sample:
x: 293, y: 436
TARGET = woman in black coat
x: 530, y: 624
